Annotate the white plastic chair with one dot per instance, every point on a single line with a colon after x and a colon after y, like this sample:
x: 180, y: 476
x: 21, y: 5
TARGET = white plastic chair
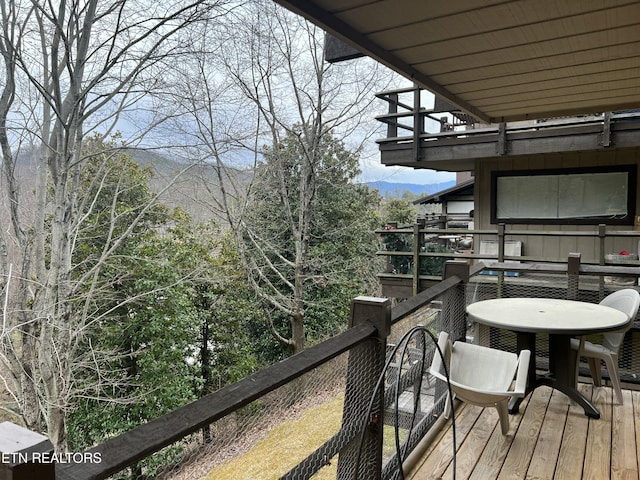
x: 481, y: 375
x: 627, y: 301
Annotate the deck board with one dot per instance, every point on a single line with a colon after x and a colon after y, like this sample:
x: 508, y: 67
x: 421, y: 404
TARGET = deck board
x: 545, y: 456
x: 471, y: 449
x: 597, y: 462
x: 522, y: 447
x: 574, y: 440
x: 496, y: 450
x: 624, y: 462
x: 550, y: 438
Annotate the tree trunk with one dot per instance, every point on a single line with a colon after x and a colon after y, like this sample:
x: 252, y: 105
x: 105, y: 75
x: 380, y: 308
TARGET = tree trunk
x: 297, y: 331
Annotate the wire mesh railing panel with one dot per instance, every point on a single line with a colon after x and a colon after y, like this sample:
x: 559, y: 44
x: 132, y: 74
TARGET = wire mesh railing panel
x: 411, y: 397
x: 263, y: 440
x: 414, y: 400
x: 583, y: 288
x: 363, y: 413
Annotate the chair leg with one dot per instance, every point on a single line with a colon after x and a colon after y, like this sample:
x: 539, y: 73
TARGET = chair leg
x: 448, y: 406
x: 596, y: 370
x: 503, y: 414
x: 614, y: 374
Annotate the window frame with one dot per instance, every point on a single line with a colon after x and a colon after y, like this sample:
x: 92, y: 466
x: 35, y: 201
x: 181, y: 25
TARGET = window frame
x: 628, y: 219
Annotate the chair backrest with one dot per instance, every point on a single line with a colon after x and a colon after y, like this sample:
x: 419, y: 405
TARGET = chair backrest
x: 627, y: 301
x: 474, y: 368
x: 482, y: 368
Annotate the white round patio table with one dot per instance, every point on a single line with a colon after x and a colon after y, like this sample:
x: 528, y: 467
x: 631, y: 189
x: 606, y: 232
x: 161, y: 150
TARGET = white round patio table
x: 561, y: 320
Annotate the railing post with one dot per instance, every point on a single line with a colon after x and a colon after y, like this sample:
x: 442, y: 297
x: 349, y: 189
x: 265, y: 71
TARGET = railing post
x: 417, y: 248
x: 602, y: 236
x: 25, y: 455
x: 366, y: 363
x: 453, y: 318
x: 417, y: 123
x: 606, y: 130
x: 392, y: 126
x: 573, y: 276
x: 501, y: 145
x: 501, y: 240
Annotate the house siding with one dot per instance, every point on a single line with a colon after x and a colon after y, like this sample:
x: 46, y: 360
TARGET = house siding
x: 558, y: 247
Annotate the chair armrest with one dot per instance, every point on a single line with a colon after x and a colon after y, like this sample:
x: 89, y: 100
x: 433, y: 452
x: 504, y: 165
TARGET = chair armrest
x: 522, y: 372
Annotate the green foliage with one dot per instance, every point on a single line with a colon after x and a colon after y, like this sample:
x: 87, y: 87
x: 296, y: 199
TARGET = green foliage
x: 433, y: 265
x: 340, y: 260
x: 403, y: 242
x: 397, y: 242
x: 399, y: 210
x: 227, y: 312
x: 168, y: 305
x: 143, y: 316
x: 173, y: 316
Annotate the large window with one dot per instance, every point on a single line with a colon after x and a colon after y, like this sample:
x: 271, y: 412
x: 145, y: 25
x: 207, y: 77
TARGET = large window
x: 576, y: 196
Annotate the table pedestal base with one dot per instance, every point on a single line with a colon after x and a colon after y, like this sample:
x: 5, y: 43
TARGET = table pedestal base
x: 562, y: 371
x: 544, y: 380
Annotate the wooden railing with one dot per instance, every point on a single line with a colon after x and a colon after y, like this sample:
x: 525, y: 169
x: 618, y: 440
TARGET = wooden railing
x: 124, y: 450
x: 370, y: 324
x: 415, y: 254
x: 366, y: 339
x: 407, y: 121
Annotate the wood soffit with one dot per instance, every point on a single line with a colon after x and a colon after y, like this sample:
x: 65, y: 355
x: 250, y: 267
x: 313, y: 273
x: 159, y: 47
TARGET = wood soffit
x: 499, y: 60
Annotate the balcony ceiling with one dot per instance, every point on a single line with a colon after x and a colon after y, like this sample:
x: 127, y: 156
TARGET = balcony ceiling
x: 499, y: 60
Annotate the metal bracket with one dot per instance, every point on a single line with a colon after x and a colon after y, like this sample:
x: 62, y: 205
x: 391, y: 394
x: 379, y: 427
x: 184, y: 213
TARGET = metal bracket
x: 605, y: 139
x: 501, y: 148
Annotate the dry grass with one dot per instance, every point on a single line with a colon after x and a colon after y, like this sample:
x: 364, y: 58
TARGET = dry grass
x: 286, y: 445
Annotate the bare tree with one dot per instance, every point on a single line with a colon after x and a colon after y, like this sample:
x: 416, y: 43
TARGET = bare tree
x: 289, y: 93
x: 69, y: 68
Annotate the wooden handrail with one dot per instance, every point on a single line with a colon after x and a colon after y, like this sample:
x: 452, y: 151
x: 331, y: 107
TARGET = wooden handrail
x: 418, y: 301
x: 585, y: 269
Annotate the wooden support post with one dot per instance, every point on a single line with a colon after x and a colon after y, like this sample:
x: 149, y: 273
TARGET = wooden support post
x: 417, y: 246
x: 25, y: 455
x: 501, y: 147
x: 573, y: 276
x: 453, y: 316
x: 501, y: 240
x: 417, y: 123
x: 606, y: 130
x: 392, y: 125
x: 366, y: 364
x: 602, y: 236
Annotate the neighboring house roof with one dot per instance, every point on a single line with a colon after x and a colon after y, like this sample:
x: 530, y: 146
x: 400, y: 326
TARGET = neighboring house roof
x: 462, y: 188
x: 499, y: 61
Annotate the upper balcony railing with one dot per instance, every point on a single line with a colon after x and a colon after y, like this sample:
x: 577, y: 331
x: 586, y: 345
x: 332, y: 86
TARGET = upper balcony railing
x: 418, y: 133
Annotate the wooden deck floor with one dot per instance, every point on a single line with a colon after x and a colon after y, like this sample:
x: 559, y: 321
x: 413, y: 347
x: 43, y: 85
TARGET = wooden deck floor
x: 548, y: 439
